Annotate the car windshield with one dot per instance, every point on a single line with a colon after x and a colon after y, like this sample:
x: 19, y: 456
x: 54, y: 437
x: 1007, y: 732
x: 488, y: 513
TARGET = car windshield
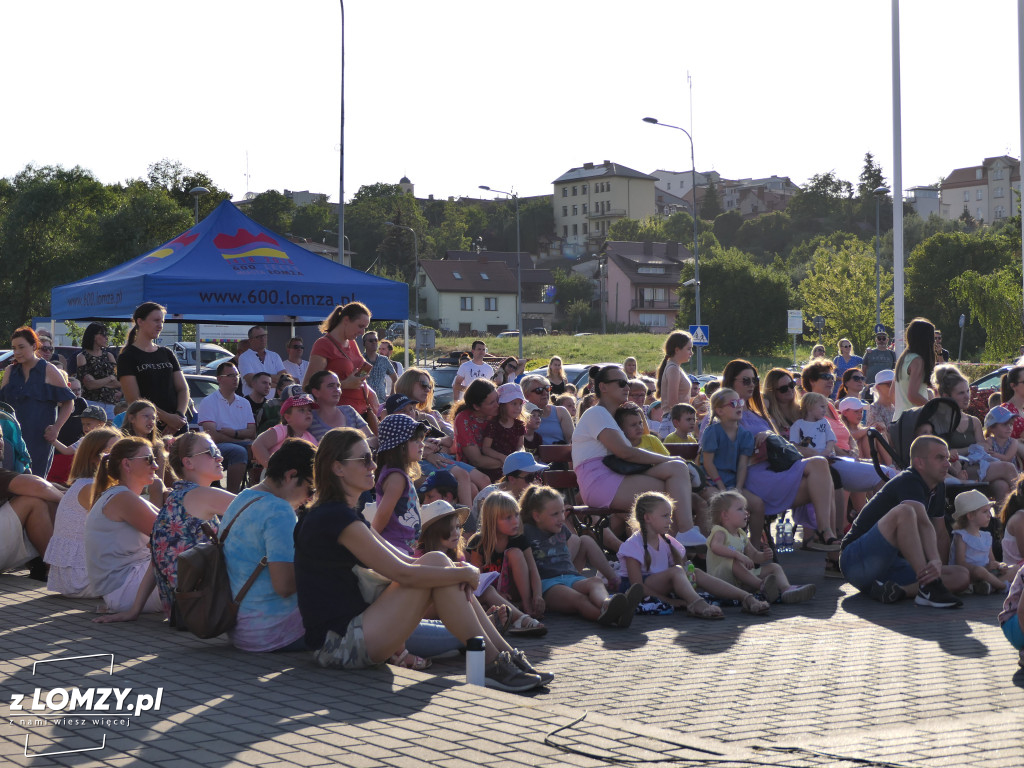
x: 200, y: 387
x: 443, y: 377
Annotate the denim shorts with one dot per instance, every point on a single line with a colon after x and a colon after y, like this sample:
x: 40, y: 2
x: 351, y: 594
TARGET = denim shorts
x: 566, y: 580
x: 872, y: 558
x: 348, y: 652
x: 1014, y: 633
x: 233, y: 453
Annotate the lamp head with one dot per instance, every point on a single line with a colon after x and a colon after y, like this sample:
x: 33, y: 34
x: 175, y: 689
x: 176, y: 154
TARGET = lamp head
x: 652, y: 120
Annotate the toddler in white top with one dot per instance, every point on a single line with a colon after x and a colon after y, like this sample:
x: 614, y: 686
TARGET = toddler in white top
x: 972, y: 547
x: 812, y: 431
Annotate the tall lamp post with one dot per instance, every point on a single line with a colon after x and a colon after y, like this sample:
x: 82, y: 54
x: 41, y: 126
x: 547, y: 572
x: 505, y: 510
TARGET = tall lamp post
x: 415, y: 286
x: 196, y: 193
x: 879, y: 193
x: 696, y: 257
x: 519, y: 267
x: 341, y: 164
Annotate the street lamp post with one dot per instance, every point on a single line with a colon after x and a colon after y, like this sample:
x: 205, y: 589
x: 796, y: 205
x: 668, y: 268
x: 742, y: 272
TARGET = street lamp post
x: 696, y: 257
x: 196, y: 193
x: 415, y: 287
x: 341, y: 163
x: 879, y: 193
x: 519, y: 267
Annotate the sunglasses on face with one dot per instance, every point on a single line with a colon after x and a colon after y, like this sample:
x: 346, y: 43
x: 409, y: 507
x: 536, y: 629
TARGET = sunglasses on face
x: 827, y: 376
x: 366, y: 458
x: 857, y: 378
x: 786, y: 387
x: 540, y: 390
x: 148, y: 458
x: 529, y: 477
x: 881, y: 338
x: 46, y: 349
x: 214, y: 453
x: 737, y: 403
x: 747, y: 381
x: 298, y: 346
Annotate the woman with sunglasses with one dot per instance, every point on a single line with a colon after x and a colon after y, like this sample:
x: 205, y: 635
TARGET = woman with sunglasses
x: 598, y: 435
x: 843, y: 362
x: 118, y: 528
x: 808, y: 481
x: 350, y: 627
x: 780, y: 399
x: 556, y: 423
x: 853, y: 384
x: 507, y: 372
x: 196, y: 459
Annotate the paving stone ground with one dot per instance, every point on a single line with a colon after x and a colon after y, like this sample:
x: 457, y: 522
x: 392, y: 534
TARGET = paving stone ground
x: 840, y: 678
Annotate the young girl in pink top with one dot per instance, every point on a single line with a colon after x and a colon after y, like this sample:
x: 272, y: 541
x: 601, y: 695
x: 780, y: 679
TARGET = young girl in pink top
x: 297, y: 415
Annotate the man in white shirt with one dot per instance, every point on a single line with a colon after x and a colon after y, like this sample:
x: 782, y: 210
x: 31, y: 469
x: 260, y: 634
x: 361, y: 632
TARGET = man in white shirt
x: 258, y: 359
x: 471, y: 369
x: 295, y: 366
x: 228, y: 420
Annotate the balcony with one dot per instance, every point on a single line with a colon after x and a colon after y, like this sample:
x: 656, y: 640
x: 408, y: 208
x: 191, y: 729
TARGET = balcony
x: 610, y: 213
x: 655, y: 304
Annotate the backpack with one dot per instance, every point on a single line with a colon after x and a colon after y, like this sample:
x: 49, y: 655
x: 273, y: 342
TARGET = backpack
x: 203, y: 603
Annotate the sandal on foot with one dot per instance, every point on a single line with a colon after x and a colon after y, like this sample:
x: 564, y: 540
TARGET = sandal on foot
x: 820, y: 544
x: 612, y: 610
x: 754, y: 606
x: 406, y: 660
x: 770, y: 588
x: 527, y: 626
x: 501, y: 617
x: 701, y: 609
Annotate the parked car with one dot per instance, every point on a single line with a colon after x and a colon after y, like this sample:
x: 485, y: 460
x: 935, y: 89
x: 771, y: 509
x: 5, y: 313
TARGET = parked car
x: 443, y: 377
x: 185, y: 351
x: 397, y: 331
x: 508, y: 335
x: 198, y: 388
x: 983, y: 388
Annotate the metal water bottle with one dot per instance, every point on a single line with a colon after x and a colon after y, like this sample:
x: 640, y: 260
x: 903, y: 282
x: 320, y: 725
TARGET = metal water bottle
x: 475, y: 661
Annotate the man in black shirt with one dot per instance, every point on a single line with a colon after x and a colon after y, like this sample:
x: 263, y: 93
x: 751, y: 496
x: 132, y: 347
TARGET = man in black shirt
x: 892, y: 550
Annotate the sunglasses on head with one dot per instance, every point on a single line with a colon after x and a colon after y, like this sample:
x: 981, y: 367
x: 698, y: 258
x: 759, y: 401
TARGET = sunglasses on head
x: 786, y: 387
x: 366, y: 458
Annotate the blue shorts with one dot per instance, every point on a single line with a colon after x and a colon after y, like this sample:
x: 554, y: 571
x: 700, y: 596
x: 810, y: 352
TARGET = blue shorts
x: 566, y: 580
x: 234, y: 453
x: 1014, y: 633
x: 872, y: 558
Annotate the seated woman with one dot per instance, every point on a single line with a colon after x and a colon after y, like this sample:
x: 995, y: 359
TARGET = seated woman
x: 780, y: 399
x: 66, y: 552
x: 325, y: 387
x: 806, y: 481
x: 196, y: 459
x: 268, y: 618
x: 1000, y: 475
x: 118, y: 527
x: 479, y: 406
x: 507, y: 372
x: 556, y: 423
x: 853, y: 384
x: 140, y: 421
x: 349, y: 624
x: 597, y: 436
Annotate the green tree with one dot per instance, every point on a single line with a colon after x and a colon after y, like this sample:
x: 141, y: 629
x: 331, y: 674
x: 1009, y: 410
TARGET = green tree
x: 371, y: 238
x: 177, y: 181
x: 711, y: 204
x: 824, y: 195
x: 744, y: 303
x: 142, y: 218
x: 451, y: 233
x: 727, y: 226
x: 314, y: 221
x: 871, y: 177
x: 678, y: 228
x: 571, y: 287
x: 841, y: 288
x: 994, y: 301
x: 273, y: 210
x: 577, y: 312
x: 935, y: 263
x: 649, y: 229
x: 766, y: 236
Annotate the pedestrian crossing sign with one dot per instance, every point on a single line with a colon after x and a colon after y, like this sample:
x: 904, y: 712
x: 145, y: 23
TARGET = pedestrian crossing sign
x: 701, y: 335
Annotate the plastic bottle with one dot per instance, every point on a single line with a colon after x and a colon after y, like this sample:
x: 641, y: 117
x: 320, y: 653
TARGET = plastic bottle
x: 475, y: 661
x: 780, y: 534
x: 690, y: 574
x: 789, y: 535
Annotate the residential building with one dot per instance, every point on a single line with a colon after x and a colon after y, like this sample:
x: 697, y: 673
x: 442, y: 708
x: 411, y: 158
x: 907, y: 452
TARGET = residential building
x: 754, y: 197
x: 478, y: 294
x: 643, y: 283
x: 924, y: 200
x: 679, y: 183
x: 989, y: 191
x: 590, y: 198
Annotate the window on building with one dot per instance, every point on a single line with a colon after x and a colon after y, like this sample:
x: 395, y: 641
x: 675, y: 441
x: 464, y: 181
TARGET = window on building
x: 967, y: 197
x: 565, y: 210
x: 584, y: 229
x: 584, y: 209
x: 484, y: 276
x: 565, y: 191
x: 997, y: 174
x: 575, y: 191
x: 583, y: 189
x: 1000, y: 212
x: 650, y: 270
x: 575, y: 229
x: 651, y: 319
x: 565, y: 230
x: 575, y: 210
x: 998, y: 192
x: 607, y: 186
x: 491, y: 303
x: 979, y: 216
x: 978, y: 195
x: 457, y: 275
x: 466, y: 303
x: 670, y: 185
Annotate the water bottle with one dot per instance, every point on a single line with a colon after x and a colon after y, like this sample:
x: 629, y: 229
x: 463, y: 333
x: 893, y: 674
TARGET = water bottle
x: 475, y: 661
x: 690, y: 569
x: 789, y: 535
x: 780, y: 534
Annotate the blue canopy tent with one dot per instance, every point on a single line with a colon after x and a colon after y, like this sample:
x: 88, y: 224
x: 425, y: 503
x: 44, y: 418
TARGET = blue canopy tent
x: 229, y: 269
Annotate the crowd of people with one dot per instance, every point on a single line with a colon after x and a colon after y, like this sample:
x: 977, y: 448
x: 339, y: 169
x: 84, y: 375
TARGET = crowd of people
x: 375, y: 529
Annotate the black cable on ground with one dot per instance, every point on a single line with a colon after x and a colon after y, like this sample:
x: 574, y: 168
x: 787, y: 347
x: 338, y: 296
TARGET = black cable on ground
x: 700, y: 761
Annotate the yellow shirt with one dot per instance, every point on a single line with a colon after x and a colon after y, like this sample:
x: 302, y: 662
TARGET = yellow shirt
x: 675, y: 438
x: 652, y: 444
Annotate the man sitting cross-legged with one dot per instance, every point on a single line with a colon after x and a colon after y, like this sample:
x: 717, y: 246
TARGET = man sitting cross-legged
x: 892, y: 550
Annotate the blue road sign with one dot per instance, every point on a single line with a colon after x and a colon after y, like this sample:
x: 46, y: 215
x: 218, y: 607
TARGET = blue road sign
x: 701, y: 335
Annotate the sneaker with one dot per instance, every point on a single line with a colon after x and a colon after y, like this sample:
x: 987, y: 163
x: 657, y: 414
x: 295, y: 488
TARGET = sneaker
x: 612, y: 609
x: 38, y: 570
x: 983, y: 588
x: 888, y: 593
x: 770, y: 588
x: 633, y: 597
x: 524, y: 664
x: 935, y: 595
x: 798, y: 594
x: 504, y: 674
x: 832, y: 570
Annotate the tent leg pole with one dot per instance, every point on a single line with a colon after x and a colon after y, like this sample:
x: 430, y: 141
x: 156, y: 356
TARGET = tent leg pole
x: 199, y: 351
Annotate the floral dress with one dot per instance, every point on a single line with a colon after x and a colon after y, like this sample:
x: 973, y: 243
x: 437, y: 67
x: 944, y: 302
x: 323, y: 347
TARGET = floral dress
x: 174, y: 531
x: 100, y: 367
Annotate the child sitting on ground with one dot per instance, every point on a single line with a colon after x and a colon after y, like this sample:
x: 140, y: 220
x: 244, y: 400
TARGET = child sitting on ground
x: 684, y: 422
x: 441, y: 531
x: 653, y: 558
x: 440, y: 485
x: 554, y: 546
x: 972, y: 547
x: 811, y: 433
x: 501, y: 547
x: 732, y: 558
x: 1012, y: 517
